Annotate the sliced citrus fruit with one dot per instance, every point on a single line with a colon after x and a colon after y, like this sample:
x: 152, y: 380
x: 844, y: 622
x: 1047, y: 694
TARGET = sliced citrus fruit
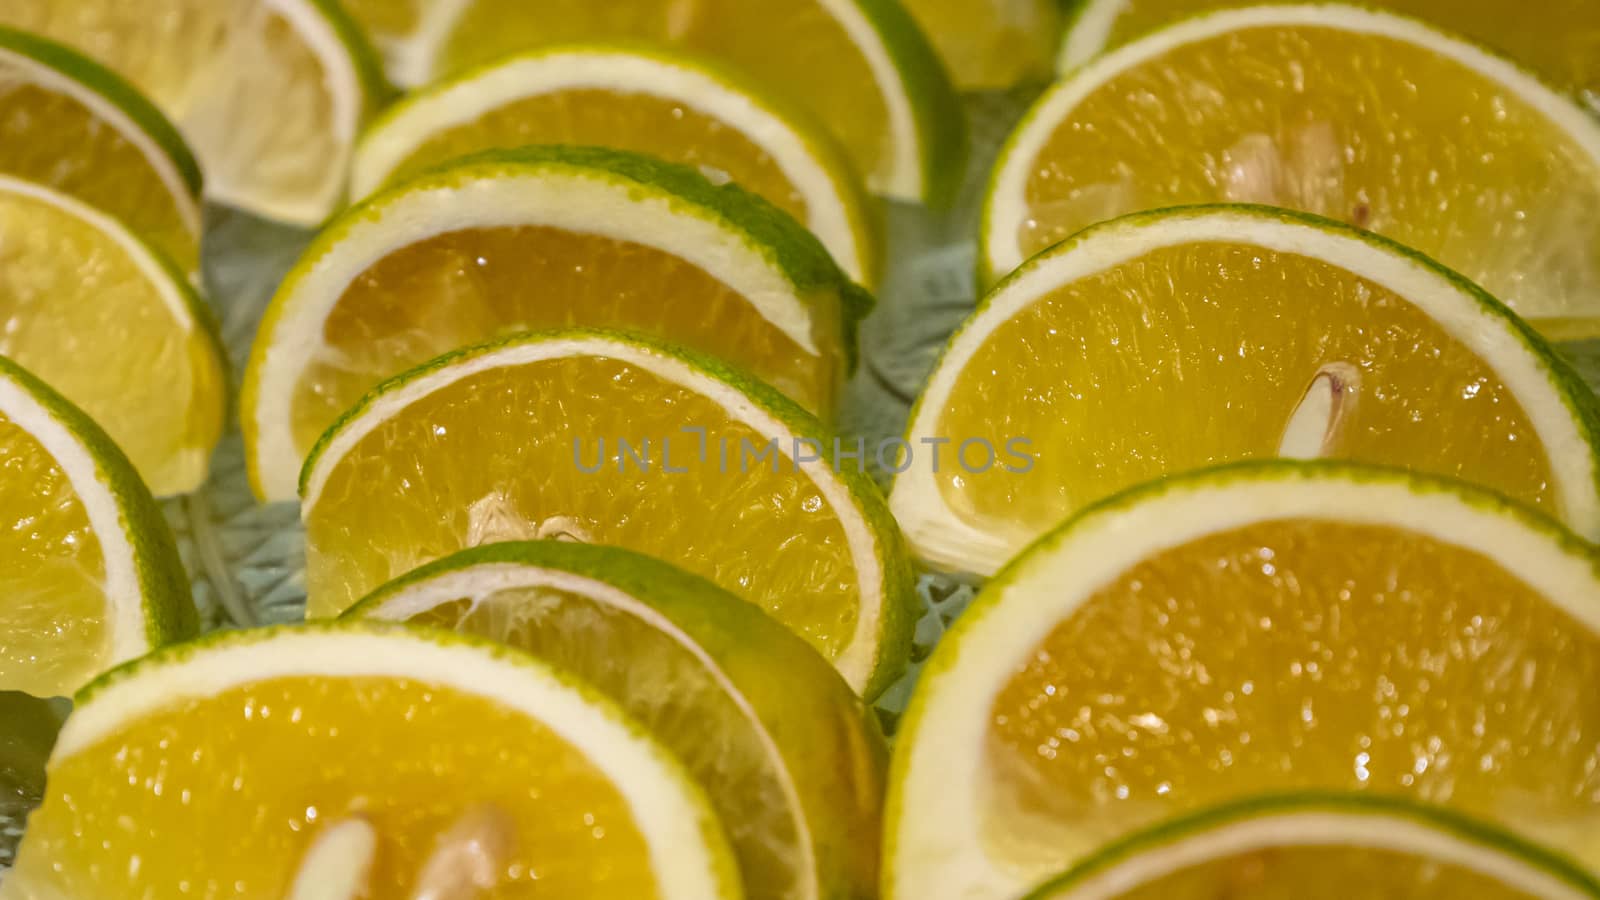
x: 1357, y: 115
x: 1264, y: 627
x: 92, y: 576
x: 991, y: 44
x: 366, y: 761
x: 791, y: 759
x: 270, y: 93
x: 1561, y: 43
x: 538, y: 238
x: 1172, y: 340
x: 861, y: 66
x: 69, y: 124
x: 1316, y: 846
x: 646, y: 101
x: 610, y: 439
x: 112, y: 325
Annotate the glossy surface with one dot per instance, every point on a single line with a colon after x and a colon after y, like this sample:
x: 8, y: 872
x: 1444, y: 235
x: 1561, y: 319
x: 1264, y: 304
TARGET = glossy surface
x: 464, y: 287
x: 636, y: 122
x: 795, y: 49
x: 53, y: 615
x: 1204, y: 353
x: 502, y: 455
x: 1292, y: 655
x: 53, y: 139
x: 1361, y: 128
x: 664, y: 681
x: 235, y: 76
x: 288, y: 760
x: 76, y: 310
x: 1561, y: 43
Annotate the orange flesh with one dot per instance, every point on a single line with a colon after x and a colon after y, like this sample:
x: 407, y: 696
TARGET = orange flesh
x: 992, y: 44
x: 53, y: 611
x: 792, y: 49
x: 496, y: 456
x: 1368, y: 130
x: 1289, y: 655
x: 636, y: 122
x: 468, y: 286
x: 1201, y: 354
x: 51, y: 139
x: 284, y: 761
x: 1561, y: 43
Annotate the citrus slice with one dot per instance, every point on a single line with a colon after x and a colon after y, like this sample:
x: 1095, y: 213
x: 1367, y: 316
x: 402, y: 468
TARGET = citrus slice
x: 382, y: 760
x: 1357, y: 115
x: 1259, y: 628
x: 538, y: 238
x: 269, y: 93
x: 610, y: 439
x: 1561, y: 43
x: 860, y: 66
x: 92, y: 576
x: 1173, y: 340
x: 69, y: 124
x: 992, y: 44
x: 664, y: 105
x: 1315, y: 846
x: 113, y: 326
x: 791, y: 760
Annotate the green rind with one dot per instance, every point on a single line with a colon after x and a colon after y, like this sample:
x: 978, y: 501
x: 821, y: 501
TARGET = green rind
x: 1576, y: 395
x: 1374, y: 806
x: 900, y: 606
x: 806, y: 709
x: 98, y: 79
x: 375, y: 88
x: 948, y: 653
x: 818, y: 142
x: 935, y: 105
x: 710, y: 829
x: 169, y: 612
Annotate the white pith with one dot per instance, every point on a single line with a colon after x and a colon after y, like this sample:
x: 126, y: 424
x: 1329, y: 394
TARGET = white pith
x: 1088, y: 33
x: 859, y: 658
x: 402, y: 133
x: 1320, y: 828
x: 940, y: 536
x: 137, y: 251
x: 416, y: 63
x: 481, y: 581
x: 665, y: 807
x: 1007, y: 204
x: 125, y: 601
x: 347, y: 97
x: 556, y: 196
x: 165, y: 167
x: 945, y: 742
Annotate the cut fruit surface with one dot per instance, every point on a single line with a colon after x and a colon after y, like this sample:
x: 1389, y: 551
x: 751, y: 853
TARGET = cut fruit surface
x: 408, y: 763
x: 992, y: 44
x: 1561, y: 43
x: 1265, y: 627
x: 112, y: 325
x: 611, y: 440
x: 1317, y: 846
x: 71, y: 125
x: 1173, y: 340
x: 861, y: 66
x: 790, y: 758
x: 269, y: 93
x: 541, y: 238
x: 667, y: 106
x: 92, y: 577
x: 1360, y: 116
